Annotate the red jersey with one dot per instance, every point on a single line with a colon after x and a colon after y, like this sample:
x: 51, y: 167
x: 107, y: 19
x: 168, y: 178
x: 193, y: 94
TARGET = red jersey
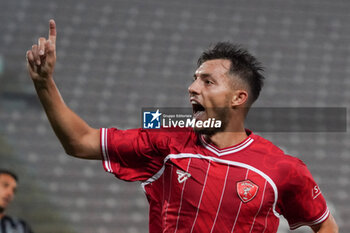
x: 192, y: 186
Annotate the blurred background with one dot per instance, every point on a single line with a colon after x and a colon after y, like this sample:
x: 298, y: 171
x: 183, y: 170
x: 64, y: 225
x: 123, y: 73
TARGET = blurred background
x: 117, y: 56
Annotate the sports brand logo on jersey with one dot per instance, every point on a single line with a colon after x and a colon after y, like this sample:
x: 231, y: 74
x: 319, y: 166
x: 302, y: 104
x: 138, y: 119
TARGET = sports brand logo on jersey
x: 151, y: 120
x: 182, y: 176
x: 246, y: 190
x: 315, y: 192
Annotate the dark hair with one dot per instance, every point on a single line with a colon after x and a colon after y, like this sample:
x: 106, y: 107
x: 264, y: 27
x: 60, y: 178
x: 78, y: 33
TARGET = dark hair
x: 10, y: 173
x: 243, y: 64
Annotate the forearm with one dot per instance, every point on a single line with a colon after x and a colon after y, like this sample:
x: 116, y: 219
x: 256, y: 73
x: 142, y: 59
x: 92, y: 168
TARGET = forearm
x: 69, y: 127
x: 76, y: 136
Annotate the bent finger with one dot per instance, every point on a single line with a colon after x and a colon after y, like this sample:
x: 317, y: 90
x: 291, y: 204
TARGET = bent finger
x: 41, y: 45
x: 36, y: 54
x: 30, y: 58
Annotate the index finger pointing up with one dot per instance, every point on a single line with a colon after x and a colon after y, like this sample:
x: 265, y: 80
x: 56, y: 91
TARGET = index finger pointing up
x: 52, y: 32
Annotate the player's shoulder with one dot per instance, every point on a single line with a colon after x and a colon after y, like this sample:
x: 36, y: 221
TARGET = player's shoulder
x: 282, y: 167
x: 274, y: 152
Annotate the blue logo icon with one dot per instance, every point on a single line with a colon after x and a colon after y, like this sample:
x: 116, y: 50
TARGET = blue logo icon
x: 151, y: 120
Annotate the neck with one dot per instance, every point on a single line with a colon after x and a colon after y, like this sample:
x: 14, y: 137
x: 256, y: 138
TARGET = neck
x: 227, y: 138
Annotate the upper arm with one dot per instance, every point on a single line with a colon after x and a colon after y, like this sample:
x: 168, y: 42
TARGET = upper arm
x: 301, y: 201
x: 134, y: 154
x: 88, y: 146
x: 328, y: 226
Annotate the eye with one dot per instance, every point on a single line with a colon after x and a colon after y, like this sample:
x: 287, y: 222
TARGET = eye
x: 208, y: 82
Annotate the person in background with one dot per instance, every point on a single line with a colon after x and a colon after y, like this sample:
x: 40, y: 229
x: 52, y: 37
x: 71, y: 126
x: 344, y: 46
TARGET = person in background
x: 8, y: 187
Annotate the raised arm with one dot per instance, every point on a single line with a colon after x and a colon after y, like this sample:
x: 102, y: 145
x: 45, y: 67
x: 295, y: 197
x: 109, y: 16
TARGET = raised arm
x: 76, y: 136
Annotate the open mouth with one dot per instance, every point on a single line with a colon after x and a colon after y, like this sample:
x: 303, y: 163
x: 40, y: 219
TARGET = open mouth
x: 198, y: 109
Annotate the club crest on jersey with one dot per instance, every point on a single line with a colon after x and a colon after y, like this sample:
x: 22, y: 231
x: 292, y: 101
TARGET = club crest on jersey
x: 182, y: 176
x: 246, y: 190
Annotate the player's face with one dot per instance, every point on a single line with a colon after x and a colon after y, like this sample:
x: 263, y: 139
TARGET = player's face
x: 8, y: 187
x: 212, y: 90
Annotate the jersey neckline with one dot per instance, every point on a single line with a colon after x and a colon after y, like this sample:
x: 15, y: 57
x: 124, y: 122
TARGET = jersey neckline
x: 231, y: 149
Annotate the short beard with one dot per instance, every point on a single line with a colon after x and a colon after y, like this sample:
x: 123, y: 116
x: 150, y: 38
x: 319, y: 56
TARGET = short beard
x: 2, y: 209
x: 221, y: 114
x: 206, y: 131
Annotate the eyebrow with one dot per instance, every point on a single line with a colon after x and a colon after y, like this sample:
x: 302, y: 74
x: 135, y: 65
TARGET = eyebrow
x: 204, y: 75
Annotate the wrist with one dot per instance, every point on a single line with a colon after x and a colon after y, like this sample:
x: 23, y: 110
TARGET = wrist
x: 43, y: 83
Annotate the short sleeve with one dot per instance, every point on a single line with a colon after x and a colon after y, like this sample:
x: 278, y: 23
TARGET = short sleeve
x: 134, y: 154
x: 301, y: 200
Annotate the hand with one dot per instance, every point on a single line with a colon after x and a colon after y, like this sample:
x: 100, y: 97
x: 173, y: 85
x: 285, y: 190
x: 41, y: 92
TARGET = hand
x: 41, y: 59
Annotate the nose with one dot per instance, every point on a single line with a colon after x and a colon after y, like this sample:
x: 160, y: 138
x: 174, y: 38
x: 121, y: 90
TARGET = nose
x: 193, y: 89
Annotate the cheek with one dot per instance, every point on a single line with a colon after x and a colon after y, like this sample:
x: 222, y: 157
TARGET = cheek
x: 221, y: 100
x: 12, y: 194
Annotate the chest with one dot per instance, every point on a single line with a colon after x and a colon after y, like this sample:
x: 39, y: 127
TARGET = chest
x: 210, y: 186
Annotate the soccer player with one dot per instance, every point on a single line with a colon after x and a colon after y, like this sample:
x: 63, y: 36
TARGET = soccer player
x: 196, y: 179
x: 8, y: 186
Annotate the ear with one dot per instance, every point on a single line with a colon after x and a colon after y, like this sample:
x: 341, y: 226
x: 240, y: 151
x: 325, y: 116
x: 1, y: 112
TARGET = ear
x: 240, y: 98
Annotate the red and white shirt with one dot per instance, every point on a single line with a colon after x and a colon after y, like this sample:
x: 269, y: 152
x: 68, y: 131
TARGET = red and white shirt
x: 192, y: 186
